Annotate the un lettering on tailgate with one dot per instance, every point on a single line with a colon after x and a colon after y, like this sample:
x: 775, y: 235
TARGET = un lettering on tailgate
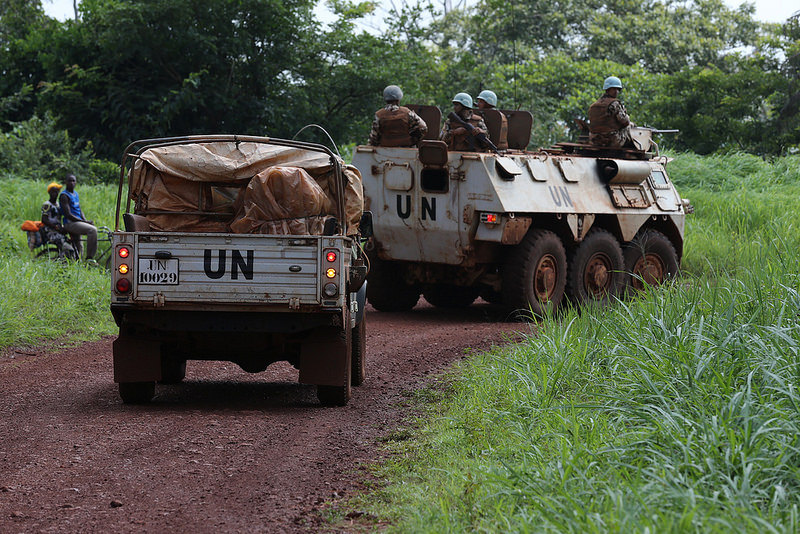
x: 157, y: 271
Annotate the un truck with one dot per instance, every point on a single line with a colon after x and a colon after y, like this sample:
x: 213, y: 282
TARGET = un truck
x: 522, y: 228
x: 241, y: 249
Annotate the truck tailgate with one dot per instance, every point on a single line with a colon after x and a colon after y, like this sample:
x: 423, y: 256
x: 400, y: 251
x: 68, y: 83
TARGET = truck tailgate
x: 228, y: 268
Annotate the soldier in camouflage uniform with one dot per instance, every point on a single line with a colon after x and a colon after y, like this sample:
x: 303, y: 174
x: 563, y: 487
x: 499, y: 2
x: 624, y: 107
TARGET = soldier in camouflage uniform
x: 457, y: 136
x: 488, y: 100
x: 609, y: 124
x: 396, y: 125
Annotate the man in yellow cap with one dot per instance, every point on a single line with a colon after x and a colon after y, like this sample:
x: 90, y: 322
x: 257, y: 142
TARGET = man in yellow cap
x: 51, y: 218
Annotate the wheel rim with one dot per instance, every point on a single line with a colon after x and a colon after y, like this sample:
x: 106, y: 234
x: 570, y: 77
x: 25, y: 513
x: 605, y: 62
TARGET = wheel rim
x: 545, y: 277
x: 648, y: 269
x: 597, y: 276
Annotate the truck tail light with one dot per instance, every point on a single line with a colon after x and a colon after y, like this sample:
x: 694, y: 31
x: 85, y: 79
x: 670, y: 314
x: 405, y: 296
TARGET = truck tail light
x: 123, y: 252
x: 123, y: 285
x: 123, y: 268
x: 489, y: 218
x: 330, y: 289
x: 330, y: 273
x: 330, y: 256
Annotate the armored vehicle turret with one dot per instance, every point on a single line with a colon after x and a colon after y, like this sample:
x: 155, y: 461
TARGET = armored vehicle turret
x: 520, y: 228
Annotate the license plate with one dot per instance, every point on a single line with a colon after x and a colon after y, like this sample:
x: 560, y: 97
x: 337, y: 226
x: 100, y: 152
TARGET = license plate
x: 154, y: 271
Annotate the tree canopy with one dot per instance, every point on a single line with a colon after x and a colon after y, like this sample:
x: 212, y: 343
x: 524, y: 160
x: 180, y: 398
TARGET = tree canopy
x: 129, y: 69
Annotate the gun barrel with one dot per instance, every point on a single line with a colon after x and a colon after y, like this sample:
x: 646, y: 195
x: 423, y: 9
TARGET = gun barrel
x: 663, y: 131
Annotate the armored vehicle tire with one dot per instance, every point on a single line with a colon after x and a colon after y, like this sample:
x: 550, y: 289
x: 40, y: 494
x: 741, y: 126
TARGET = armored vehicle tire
x: 596, y: 268
x: 339, y: 395
x: 535, y: 273
x: 173, y: 370
x: 137, y: 392
x: 386, y: 291
x: 447, y: 296
x: 650, y: 259
x: 358, y: 360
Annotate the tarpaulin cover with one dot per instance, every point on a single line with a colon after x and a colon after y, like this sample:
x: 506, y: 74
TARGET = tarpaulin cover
x: 283, y: 201
x: 201, y: 185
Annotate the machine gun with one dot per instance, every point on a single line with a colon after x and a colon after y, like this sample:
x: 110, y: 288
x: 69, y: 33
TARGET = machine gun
x: 453, y: 116
x: 656, y: 130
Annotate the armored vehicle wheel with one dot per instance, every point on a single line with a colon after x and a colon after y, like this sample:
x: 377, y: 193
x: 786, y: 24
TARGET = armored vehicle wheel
x: 387, y: 291
x: 137, y: 392
x: 339, y: 395
x: 596, y: 268
x: 535, y: 273
x: 173, y: 370
x: 447, y: 296
x: 650, y: 259
x: 357, y: 362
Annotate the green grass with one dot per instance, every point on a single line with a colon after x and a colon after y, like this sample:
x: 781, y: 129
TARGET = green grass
x: 677, y: 411
x: 43, y: 301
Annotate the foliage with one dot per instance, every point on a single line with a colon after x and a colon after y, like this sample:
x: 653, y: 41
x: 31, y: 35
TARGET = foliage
x: 43, y: 301
x: 37, y: 149
x: 675, y: 411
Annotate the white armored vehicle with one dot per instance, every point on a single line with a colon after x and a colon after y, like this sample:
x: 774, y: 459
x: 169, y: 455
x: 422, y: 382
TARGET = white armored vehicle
x: 518, y: 227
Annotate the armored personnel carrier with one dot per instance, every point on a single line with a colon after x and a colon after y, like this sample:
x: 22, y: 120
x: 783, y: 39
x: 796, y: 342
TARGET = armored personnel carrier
x: 520, y: 228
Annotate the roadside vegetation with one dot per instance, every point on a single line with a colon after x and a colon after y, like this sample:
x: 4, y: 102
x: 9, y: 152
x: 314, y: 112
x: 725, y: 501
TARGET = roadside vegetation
x: 674, y: 411
x: 43, y: 301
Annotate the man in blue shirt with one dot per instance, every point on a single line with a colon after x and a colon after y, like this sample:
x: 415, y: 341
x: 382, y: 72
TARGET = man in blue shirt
x: 74, y: 221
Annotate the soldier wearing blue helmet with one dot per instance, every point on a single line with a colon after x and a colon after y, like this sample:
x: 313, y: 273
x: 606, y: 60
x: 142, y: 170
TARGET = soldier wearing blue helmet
x: 458, y: 137
x: 396, y: 125
x: 488, y: 100
x: 609, y: 124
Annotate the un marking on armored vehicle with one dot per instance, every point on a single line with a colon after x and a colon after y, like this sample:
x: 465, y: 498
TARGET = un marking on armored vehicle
x: 519, y: 228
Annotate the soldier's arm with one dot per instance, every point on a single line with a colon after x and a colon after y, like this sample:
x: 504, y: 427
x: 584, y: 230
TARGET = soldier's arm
x: 375, y: 133
x: 416, y: 126
x: 617, y: 110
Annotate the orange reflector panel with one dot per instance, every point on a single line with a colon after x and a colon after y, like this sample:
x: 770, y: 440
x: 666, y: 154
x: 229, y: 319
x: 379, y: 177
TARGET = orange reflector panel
x: 123, y: 268
x: 330, y: 273
x: 124, y: 252
x: 330, y: 256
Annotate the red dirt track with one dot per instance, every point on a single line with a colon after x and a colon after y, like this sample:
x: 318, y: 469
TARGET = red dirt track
x: 225, y: 451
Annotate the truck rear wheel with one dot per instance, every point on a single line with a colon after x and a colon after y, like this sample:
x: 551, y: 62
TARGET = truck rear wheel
x: 137, y: 392
x: 339, y: 395
x: 358, y: 359
x: 447, y: 296
x: 387, y: 290
x: 596, y: 268
x: 650, y: 259
x: 535, y: 274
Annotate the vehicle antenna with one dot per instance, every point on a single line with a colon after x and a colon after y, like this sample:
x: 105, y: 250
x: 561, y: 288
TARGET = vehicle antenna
x: 335, y: 148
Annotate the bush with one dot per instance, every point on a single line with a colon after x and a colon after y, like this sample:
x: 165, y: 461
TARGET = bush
x: 37, y: 149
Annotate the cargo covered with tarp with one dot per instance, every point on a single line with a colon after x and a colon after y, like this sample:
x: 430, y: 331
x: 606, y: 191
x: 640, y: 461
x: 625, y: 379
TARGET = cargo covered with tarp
x: 241, y: 187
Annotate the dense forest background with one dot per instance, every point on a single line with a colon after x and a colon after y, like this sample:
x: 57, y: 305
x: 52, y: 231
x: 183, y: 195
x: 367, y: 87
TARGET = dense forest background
x: 75, y: 93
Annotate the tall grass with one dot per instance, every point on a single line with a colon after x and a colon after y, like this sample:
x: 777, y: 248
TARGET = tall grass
x: 676, y: 411
x: 43, y: 301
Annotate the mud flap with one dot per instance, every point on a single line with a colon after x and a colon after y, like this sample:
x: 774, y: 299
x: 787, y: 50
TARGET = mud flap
x: 136, y: 359
x: 324, y: 358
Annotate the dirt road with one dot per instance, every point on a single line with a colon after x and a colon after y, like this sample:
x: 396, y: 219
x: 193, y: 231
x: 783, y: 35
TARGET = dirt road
x: 225, y: 451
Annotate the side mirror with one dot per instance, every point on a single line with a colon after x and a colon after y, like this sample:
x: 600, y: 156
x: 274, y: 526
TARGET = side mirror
x: 365, y: 226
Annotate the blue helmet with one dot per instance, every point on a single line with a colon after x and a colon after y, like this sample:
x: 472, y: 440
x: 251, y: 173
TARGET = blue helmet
x: 464, y: 99
x: 489, y: 97
x: 612, y: 81
x: 392, y: 93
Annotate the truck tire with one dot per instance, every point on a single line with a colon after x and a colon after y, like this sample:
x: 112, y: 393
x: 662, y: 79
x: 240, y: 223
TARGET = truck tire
x: 358, y: 360
x: 596, y: 268
x: 137, y: 392
x: 387, y: 291
x: 447, y: 296
x: 650, y: 259
x: 339, y: 395
x: 535, y: 274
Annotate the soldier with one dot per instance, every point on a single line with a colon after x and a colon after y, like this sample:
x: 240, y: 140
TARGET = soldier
x: 460, y: 138
x: 396, y: 125
x: 609, y: 124
x: 488, y: 100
